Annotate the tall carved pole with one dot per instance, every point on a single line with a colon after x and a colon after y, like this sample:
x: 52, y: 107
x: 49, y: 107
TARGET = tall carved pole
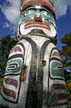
x: 34, y: 76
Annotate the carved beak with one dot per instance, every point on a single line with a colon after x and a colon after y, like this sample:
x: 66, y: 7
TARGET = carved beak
x: 38, y: 17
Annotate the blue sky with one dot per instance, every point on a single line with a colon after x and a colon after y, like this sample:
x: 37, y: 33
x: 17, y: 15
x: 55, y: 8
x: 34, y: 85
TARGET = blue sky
x: 9, y: 14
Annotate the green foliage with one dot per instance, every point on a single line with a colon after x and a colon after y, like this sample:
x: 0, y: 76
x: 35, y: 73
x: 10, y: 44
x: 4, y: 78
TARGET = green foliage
x: 66, y: 51
x: 66, y: 57
x: 67, y: 39
x: 6, y: 43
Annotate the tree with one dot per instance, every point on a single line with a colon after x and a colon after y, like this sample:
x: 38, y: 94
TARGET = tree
x: 66, y: 51
x: 6, y: 43
x: 66, y: 57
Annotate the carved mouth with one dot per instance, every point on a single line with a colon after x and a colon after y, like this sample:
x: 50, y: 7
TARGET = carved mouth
x: 36, y: 24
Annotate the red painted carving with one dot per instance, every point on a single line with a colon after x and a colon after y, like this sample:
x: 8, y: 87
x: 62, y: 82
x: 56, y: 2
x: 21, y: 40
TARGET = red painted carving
x: 37, y: 24
x: 45, y: 3
x: 16, y: 49
x: 8, y: 92
x: 11, y: 82
x: 58, y: 86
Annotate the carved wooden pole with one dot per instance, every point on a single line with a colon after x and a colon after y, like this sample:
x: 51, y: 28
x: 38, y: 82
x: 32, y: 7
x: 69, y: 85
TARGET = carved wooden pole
x: 34, y: 76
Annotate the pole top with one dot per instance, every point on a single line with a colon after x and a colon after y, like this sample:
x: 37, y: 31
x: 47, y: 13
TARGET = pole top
x: 48, y: 4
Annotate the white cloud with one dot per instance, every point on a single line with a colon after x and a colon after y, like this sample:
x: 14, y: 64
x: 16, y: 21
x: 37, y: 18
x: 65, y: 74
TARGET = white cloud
x: 61, y: 7
x: 11, y: 11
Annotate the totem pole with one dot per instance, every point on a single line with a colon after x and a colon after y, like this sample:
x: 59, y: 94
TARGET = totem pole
x: 34, y: 76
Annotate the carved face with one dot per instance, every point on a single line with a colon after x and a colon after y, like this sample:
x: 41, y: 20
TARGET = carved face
x: 37, y: 17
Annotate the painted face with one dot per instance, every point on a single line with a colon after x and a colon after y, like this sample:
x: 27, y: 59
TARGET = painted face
x: 37, y: 18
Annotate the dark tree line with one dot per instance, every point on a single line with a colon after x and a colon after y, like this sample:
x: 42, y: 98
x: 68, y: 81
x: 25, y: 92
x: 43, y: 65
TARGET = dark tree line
x: 66, y: 55
x: 6, y: 43
x: 66, y: 58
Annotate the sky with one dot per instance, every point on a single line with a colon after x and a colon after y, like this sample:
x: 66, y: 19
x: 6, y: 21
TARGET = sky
x: 9, y: 14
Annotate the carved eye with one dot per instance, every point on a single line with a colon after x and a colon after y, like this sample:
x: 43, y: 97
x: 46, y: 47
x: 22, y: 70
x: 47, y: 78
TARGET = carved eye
x: 29, y: 12
x: 45, y: 14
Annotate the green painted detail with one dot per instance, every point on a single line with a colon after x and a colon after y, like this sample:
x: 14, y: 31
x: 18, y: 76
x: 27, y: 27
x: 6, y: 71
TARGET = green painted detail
x: 52, y: 2
x: 30, y: 13
x: 14, y: 66
x: 56, y: 69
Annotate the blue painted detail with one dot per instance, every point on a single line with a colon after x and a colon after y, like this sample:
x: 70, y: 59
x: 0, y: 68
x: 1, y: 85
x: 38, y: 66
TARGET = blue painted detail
x: 14, y: 66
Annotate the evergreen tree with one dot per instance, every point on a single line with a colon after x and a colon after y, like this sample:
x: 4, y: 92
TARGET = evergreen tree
x: 66, y: 57
x: 6, y: 43
x: 66, y: 52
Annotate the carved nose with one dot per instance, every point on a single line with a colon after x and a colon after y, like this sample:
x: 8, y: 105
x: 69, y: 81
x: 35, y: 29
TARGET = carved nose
x: 38, y: 17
